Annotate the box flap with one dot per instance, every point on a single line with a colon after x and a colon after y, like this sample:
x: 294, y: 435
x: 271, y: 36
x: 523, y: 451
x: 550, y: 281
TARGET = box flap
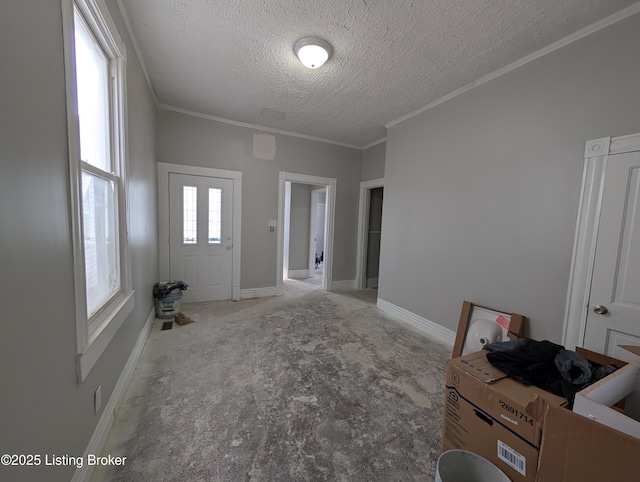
x: 576, y: 449
x: 526, y: 394
x: 599, y: 358
x: 477, y: 365
x: 596, y: 401
x: 633, y: 349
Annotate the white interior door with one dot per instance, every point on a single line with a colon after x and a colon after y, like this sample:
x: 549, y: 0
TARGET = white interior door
x: 613, y: 317
x: 200, y: 235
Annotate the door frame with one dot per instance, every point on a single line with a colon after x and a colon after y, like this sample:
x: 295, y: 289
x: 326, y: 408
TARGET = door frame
x: 330, y: 184
x: 363, y: 225
x: 596, y: 155
x: 313, y: 220
x: 164, y: 170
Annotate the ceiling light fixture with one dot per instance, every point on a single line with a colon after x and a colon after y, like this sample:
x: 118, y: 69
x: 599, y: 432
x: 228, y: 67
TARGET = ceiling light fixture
x: 312, y: 52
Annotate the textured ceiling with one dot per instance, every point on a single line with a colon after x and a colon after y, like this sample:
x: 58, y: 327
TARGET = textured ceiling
x: 234, y: 59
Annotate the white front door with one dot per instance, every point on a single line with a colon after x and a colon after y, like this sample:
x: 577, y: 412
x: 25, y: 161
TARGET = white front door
x: 200, y: 235
x: 614, y: 304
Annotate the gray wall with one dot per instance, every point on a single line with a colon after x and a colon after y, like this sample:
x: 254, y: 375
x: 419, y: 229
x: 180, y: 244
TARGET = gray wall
x: 43, y: 409
x: 373, y: 160
x: 190, y: 140
x: 481, y: 192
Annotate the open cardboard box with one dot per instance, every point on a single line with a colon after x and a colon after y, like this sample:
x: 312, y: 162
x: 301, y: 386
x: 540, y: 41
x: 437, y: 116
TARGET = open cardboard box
x: 585, y: 447
x: 529, y: 433
x: 597, y: 401
x: 485, y: 413
x: 575, y: 448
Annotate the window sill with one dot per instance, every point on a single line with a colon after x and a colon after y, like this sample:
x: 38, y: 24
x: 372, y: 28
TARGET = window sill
x: 100, y: 338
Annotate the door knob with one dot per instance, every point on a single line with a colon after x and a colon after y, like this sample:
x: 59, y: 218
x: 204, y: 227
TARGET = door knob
x: 600, y: 310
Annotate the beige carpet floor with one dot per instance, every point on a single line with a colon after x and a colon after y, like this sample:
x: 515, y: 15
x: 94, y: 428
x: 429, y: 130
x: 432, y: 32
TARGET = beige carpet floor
x: 309, y: 386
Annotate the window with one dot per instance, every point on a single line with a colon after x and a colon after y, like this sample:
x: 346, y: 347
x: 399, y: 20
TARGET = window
x: 189, y: 215
x: 95, y: 72
x: 215, y: 215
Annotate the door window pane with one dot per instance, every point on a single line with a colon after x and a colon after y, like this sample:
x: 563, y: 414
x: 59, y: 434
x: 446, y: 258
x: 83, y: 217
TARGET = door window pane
x: 215, y: 221
x: 189, y: 214
x: 101, y: 250
x: 92, y: 83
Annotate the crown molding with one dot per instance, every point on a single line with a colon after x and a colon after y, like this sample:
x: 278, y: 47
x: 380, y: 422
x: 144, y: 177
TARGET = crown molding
x: 136, y: 48
x: 255, y: 127
x: 374, y: 143
x: 605, y: 22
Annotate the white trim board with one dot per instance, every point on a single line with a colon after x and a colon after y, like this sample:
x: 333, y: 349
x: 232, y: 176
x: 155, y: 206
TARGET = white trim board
x: 346, y: 284
x: 255, y: 127
x: 596, y: 155
x: 136, y: 47
x: 298, y: 273
x: 374, y: 143
x: 605, y: 22
x: 94, y: 333
x: 249, y: 293
x: 428, y: 327
x: 330, y: 203
x: 164, y: 169
x: 107, y: 418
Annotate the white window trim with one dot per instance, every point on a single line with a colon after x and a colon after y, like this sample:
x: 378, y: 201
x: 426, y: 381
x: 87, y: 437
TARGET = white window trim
x: 91, y: 343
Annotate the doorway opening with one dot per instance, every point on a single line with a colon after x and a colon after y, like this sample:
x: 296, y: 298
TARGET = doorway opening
x: 369, y: 233
x: 306, y: 214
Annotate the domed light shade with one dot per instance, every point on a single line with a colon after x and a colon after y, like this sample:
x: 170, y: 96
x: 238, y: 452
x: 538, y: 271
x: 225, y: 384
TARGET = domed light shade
x: 312, y: 52
x: 481, y: 333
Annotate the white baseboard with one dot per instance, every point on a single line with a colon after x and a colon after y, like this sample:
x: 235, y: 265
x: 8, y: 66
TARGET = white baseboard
x: 347, y: 284
x: 101, y: 432
x: 298, y: 273
x: 258, y: 292
x: 432, y: 329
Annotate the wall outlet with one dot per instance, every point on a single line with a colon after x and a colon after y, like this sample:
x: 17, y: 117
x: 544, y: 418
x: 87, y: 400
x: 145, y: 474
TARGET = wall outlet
x: 97, y: 399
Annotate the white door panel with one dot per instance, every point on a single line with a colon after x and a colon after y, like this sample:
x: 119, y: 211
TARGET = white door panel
x: 200, y: 235
x: 614, y: 303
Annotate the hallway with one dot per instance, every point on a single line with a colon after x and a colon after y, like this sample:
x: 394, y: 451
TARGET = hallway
x: 311, y: 386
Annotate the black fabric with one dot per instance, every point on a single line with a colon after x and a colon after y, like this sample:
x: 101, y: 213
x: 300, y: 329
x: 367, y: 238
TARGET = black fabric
x: 530, y: 363
x: 602, y: 371
x: 162, y: 289
x: 507, y: 345
x: 547, y: 366
x: 572, y: 367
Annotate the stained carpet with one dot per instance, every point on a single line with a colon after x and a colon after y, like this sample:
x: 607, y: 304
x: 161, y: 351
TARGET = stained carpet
x: 309, y: 386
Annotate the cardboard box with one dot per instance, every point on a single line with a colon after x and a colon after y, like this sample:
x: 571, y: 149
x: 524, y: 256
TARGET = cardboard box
x: 549, y: 443
x: 597, y: 401
x: 486, y: 413
x: 577, y: 449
